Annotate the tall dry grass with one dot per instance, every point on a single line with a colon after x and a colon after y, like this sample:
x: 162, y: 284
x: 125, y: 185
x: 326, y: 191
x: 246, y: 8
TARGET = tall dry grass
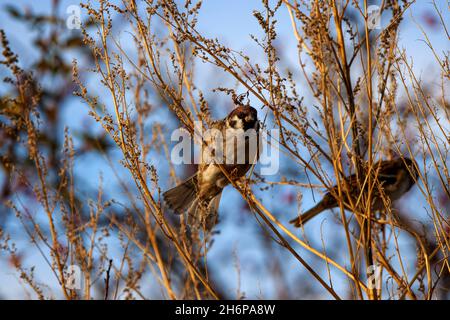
x: 368, y: 104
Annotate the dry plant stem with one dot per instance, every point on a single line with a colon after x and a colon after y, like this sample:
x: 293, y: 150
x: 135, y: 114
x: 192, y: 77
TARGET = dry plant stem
x: 183, y: 252
x: 337, y: 167
x: 120, y: 276
x: 161, y: 265
x: 415, y: 234
x: 141, y: 183
x: 356, y: 149
x: 347, y: 82
x: 368, y: 245
x: 347, y: 236
x: 183, y: 240
x: 38, y: 165
x: 170, y: 233
x: 400, y: 282
x: 144, y: 249
x: 335, y: 154
x: 182, y: 63
x: 294, y: 253
x: 267, y: 216
x: 150, y: 54
x: 107, y: 280
x: 418, y: 273
x: 294, y: 28
x: 124, y: 150
x: 153, y: 207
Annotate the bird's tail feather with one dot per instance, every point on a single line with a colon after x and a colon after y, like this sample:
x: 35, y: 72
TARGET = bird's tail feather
x: 182, y: 197
x: 308, y: 215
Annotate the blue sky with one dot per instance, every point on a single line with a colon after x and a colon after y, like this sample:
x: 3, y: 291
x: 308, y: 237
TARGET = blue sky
x: 232, y: 22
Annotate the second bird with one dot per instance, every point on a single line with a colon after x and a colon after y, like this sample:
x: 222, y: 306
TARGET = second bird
x: 396, y: 177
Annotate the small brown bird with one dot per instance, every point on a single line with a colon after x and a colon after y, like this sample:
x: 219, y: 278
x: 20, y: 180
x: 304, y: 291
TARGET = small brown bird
x: 199, y: 195
x: 396, y: 177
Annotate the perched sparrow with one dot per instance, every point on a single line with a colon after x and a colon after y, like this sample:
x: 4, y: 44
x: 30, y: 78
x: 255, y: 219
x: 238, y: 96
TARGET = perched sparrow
x: 396, y: 177
x: 231, y: 145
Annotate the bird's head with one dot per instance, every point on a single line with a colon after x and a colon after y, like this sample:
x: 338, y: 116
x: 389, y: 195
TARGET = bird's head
x: 243, y: 117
